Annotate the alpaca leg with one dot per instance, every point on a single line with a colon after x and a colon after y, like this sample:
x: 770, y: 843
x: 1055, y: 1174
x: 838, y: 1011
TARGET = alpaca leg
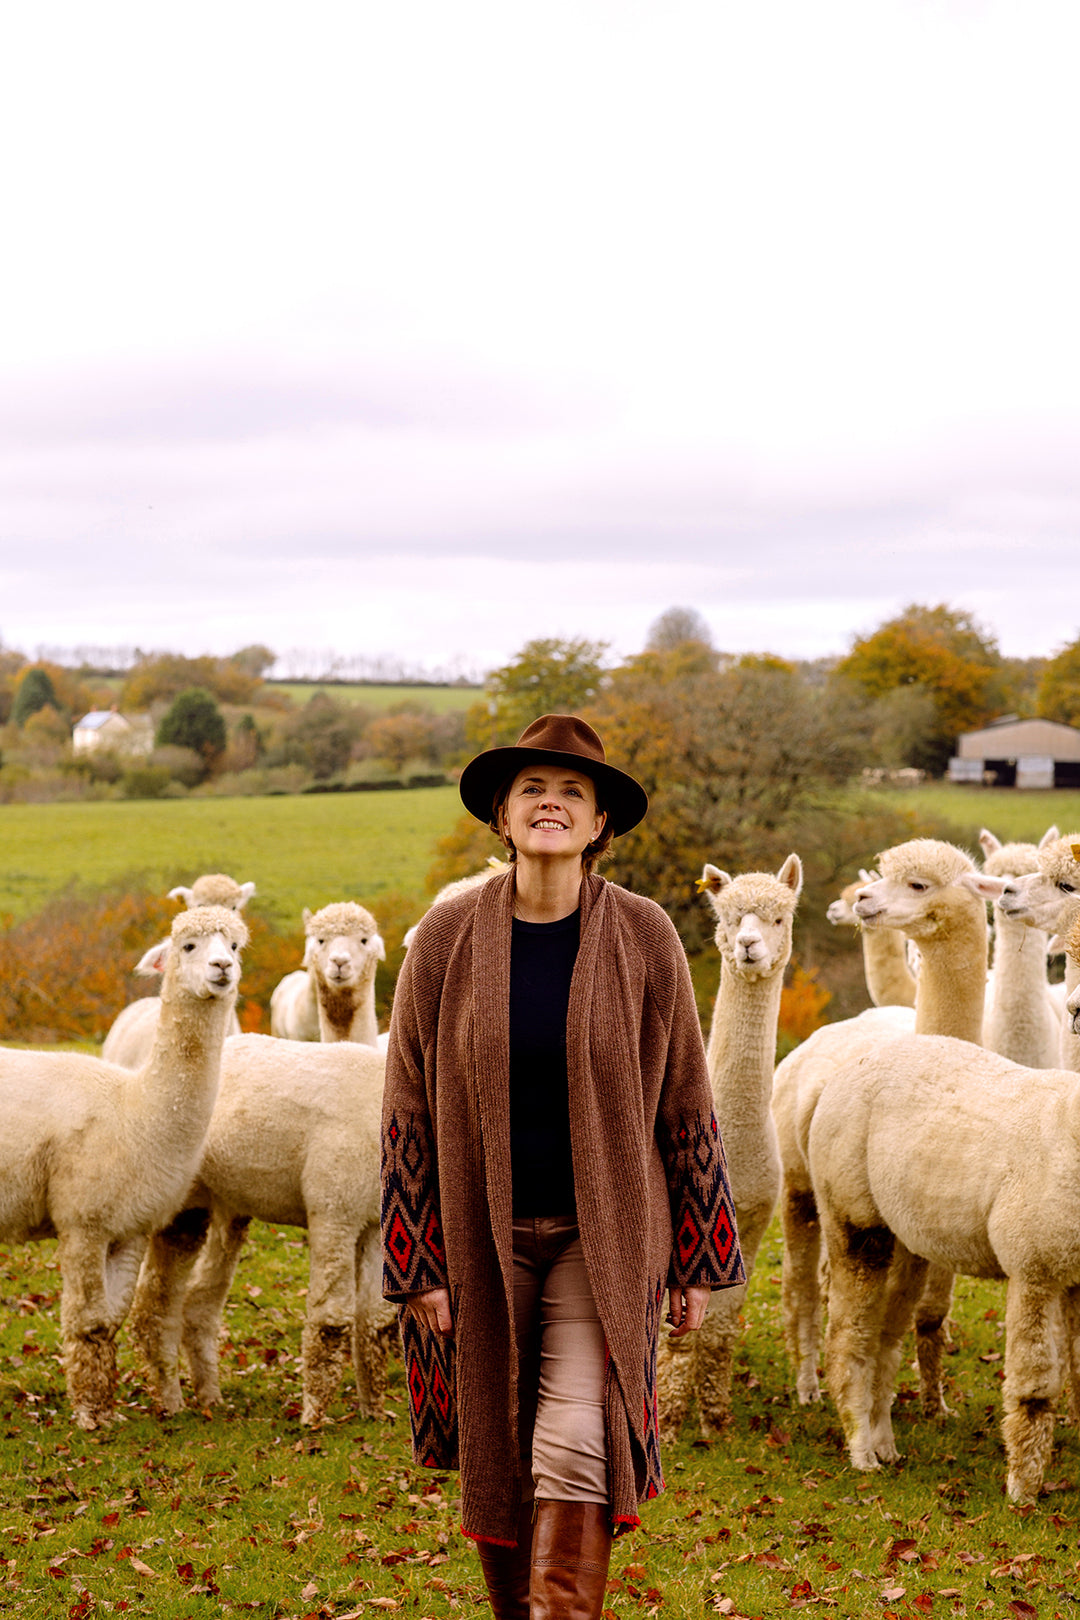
x: 87, y: 1332
x: 931, y: 1337
x: 716, y: 1341
x: 1070, y: 1328
x: 204, y: 1302
x: 157, y: 1311
x: 858, y: 1282
x: 1033, y: 1375
x: 904, y: 1288
x: 374, y: 1327
x: 800, y: 1287
x: 676, y: 1376
x: 331, y: 1314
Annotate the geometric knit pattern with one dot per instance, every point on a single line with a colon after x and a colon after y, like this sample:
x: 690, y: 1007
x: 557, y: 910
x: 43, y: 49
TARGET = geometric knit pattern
x: 414, y: 1258
x: 705, y: 1251
x: 429, y: 1379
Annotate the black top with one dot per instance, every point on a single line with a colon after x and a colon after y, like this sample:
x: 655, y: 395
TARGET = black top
x: 542, y: 957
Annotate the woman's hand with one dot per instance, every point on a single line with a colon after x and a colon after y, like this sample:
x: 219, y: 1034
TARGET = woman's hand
x: 433, y: 1310
x: 686, y: 1309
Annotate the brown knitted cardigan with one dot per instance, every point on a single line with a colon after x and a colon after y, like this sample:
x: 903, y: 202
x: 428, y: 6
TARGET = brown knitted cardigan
x: 653, y: 1199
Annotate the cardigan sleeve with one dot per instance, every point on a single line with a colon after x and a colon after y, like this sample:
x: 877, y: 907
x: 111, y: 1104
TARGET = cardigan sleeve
x: 705, y: 1251
x: 414, y: 1257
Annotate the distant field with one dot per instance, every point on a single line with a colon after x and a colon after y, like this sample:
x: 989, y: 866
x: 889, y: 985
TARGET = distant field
x: 1012, y: 815
x: 300, y: 851
x: 440, y: 699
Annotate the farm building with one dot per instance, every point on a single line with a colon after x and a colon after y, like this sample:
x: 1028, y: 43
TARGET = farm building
x: 1019, y: 753
x: 108, y: 729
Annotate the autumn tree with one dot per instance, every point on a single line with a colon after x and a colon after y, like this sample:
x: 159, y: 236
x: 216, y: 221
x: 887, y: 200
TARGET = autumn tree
x: 548, y: 676
x: 194, y: 721
x: 320, y: 736
x: 161, y: 677
x: 946, y: 655
x: 401, y: 736
x: 35, y: 691
x: 1058, y: 696
x: 676, y: 625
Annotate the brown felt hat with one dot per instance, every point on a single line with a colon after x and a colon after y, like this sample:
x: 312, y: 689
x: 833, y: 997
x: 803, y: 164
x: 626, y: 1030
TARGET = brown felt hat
x: 555, y: 739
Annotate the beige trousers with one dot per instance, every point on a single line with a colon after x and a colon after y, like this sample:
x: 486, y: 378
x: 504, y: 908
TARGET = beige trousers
x: 561, y: 1365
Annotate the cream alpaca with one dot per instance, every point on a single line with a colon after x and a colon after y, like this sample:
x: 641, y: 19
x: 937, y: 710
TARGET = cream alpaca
x: 131, y: 1034
x: 99, y: 1156
x: 754, y: 916
x: 1022, y: 1019
x: 342, y: 950
x: 931, y: 892
x: 889, y: 980
x: 1050, y: 899
x: 1004, y: 1202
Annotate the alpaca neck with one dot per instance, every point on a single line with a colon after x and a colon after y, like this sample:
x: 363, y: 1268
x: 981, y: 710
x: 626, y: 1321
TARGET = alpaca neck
x: 348, y: 1014
x: 179, y: 1082
x: 1070, y: 1043
x: 951, y: 987
x: 1019, y: 971
x: 889, y: 980
x: 742, y: 1047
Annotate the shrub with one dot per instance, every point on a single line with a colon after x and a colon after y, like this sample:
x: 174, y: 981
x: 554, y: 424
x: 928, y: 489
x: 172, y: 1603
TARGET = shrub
x: 145, y: 781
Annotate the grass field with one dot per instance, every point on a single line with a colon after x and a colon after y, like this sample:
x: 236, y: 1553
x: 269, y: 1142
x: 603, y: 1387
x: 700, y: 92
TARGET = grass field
x: 241, y: 1512
x: 300, y: 851
x: 440, y: 699
x: 1011, y: 815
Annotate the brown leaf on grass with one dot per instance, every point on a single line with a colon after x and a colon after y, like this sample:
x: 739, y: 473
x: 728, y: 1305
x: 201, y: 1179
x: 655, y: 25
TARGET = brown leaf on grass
x: 140, y: 1568
x: 383, y: 1603
x: 924, y: 1601
x: 893, y: 1594
x: 773, y: 1561
x: 1026, y: 1610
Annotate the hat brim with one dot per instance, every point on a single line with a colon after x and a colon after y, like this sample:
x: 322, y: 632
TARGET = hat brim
x: 625, y: 800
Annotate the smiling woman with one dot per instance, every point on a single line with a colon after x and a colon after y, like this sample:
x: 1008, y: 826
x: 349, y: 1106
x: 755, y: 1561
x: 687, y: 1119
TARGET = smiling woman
x: 546, y: 1057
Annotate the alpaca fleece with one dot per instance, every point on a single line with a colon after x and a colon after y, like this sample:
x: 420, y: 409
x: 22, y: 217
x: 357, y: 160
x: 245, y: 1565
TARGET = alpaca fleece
x: 654, y: 1202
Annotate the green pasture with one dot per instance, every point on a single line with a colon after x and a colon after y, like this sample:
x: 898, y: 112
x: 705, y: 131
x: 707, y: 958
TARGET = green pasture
x: 239, y: 1511
x: 440, y: 699
x: 1013, y: 816
x: 304, y: 850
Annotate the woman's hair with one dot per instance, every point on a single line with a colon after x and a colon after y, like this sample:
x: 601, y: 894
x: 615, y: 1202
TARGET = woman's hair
x: 590, y: 855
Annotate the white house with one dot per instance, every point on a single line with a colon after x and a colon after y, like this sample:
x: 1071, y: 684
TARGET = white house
x: 108, y: 729
x: 1019, y: 753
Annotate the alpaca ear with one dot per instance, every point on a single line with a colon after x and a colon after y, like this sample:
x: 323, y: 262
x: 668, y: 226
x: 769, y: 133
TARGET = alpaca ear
x: 989, y: 843
x: 307, y: 915
x: 712, y: 880
x: 1055, y: 945
x: 381, y: 952
x: 409, y: 932
x: 1050, y: 836
x: 246, y: 892
x: 867, y: 877
x: 987, y: 888
x: 154, y: 960
x: 184, y: 894
x: 791, y: 874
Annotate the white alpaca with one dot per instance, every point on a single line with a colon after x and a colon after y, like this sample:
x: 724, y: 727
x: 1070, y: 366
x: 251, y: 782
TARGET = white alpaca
x: 1022, y: 1019
x: 131, y: 1034
x: 889, y: 979
x: 99, y: 1156
x: 1049, y: 899
x: 294, y: 1140
x: 460, y: 885
x: 931, y: 892
x: 754, y: 915
x: 342, y: 949
x: 932, y: 1150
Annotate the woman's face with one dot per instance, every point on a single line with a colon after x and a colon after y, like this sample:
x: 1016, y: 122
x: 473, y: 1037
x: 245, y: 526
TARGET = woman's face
x: 551, y: 812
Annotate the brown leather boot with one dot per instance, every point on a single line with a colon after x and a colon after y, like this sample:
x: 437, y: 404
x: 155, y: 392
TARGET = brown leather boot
x: 506, y: 1571
x: 570, y: 1555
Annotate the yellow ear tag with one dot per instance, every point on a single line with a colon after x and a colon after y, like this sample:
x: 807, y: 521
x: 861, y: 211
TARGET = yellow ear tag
x: 701, y: 884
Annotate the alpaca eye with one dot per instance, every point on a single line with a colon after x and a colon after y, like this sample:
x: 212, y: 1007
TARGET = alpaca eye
x: 364, y: 940
x: 1067, y: 888
x: 918, y: 887
x: 190, y: 946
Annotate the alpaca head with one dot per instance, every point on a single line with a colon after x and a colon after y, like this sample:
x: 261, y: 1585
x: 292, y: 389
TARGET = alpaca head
x: 201, y: 957
x: 927, y: 888
x: 753, y: 916
x: 1049, y: 898
x: 342, y: 944
x: 1008, y: 860
x: 841, y: 913
x: 214, y: 889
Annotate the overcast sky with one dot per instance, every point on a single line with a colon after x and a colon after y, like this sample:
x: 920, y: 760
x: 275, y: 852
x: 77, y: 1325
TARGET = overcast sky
x: 419, y: 330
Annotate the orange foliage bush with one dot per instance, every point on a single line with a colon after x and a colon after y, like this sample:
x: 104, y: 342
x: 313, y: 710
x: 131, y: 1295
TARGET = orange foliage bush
x: 802, y: 1008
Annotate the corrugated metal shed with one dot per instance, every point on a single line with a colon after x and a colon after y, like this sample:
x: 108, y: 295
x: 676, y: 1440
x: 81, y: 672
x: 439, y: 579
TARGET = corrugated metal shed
x: 1009, y: 739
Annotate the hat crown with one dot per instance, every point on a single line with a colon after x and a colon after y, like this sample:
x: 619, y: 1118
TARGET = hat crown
x: 563, y: 734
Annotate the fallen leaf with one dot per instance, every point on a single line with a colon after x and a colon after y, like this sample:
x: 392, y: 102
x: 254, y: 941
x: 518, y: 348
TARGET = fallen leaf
x: 140, y: 1568
x: 893, y: 1594
x: 310, y: 1591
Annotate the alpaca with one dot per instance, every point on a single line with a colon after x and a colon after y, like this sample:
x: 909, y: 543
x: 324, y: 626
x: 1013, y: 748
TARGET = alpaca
x: 754, y: 915
x: 1050, y: 899
x: 294, y: 1139
x: 1022, y: 1019
x: 931, y: 892
x: 342, y: 949
x: 1003, y: 1202
x: 889, y: 979
x: 99, y: 1156
x: 459, y: 886
x: 131, y: 1034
